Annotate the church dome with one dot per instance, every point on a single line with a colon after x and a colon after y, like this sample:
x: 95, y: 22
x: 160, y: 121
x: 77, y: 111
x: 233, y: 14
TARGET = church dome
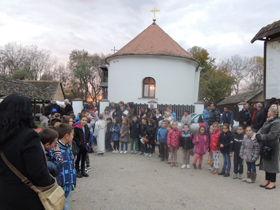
x: 153, y: 41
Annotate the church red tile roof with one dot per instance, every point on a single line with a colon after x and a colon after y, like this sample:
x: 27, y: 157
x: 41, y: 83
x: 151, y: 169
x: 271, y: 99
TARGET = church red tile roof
x: 153, y: 41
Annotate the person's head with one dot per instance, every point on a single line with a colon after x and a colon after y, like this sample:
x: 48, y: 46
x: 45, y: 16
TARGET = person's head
x: 55, y: 122
x: 259, y: 106
x: 151, y: 122
x: 163, y: 124
x: 73, y: 116
x: 144, y: 120
x: 83, y: 120
x: 85, y: 112
x: 186, y: 113
x: 240, y: 129
x: 211, y: 128
x: 158, y: 112
x: 53, y: 101
x: 15, y: 114
x: 169, y: 126
x: 246, y: 106
x: 208, y: 107
x: 249, y: 131
x: 66, y: 101
x: 109, y: 120
x: 85, y: 102
x: 272, y: 101
x: 47, y: 114
x: 167, y: 114
x: 65, y: 119
x: 273, y: 111
x: 174, y: 125
x: 186, y: 128
x: 226, y: 109
x: 213, y: 106
x: 125, y: 121
x: 141, y: 112
x: 95, y: 108
x: 121, y: 103
x: 65, y: 133
x: 107, y: 111
x: 202, y: 130
x: 90, y: 109
x: 152, y: 106
x: 215, y: 126
x: 134, y: 118
x: 226, y: 128
x: 100, y: 117
x: 116, y: 121
x: 48, y: 137
x: 56, y: 115
x: 255, y: 106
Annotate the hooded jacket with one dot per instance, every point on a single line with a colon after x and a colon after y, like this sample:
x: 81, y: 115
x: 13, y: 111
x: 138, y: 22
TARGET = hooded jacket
x: 173, y: 137
x: 225, y: 139
x: 151, y: 133
x: 236, y: 143
x: 202, y: 145
x: 134, y: 129
x: 161, y: 135
x: 214, y: 116
x: 116, y: 133
x: 81, y: 137
x: 186, y: 140
x: 250, y: 148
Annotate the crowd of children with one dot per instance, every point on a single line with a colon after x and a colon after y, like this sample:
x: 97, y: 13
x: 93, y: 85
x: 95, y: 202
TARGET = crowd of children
x: 69, y: 140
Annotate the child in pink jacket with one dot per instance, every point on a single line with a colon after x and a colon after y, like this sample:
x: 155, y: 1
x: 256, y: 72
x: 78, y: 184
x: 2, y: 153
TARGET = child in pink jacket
x: 173, y: 139
x: 201, y: 142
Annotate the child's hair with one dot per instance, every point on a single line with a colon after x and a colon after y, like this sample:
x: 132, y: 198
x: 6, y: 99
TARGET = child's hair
x: 174, y: 122
x: 152, y: 121
x: 126, y: 120
x: 240, y: 126
x: 82, y: 116
x: 110, y: 119
x: 216, y: 123
x: 56, y: 115
x: 100, y: 116
x: 48, y: 135
x: 134, y: 116
x: 200, y: 130
x: 226, y: 125
x: 55, y: 120
x: 64, y: 129
x: 73, y: 116
x: 249, y: 126
x: 65, y: 119
x: 117, y: 121
x: 186, y: 125
x: 145, y: 118
x: 84, y: 112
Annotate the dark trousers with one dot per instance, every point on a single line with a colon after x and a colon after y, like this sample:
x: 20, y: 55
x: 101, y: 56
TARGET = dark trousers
x: 81, y: 156
x: 144, y: 148
x: 108, y: 144
x: 116, y: 145
x: 238, y: 164
x: 140, y: 145
x: 270, y: 176
x: 163, y: 150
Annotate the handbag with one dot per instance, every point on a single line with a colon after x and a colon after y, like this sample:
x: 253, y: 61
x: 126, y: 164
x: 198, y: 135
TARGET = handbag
x: 52, y: 197
x: 266, y: 151
x: 75, y: 148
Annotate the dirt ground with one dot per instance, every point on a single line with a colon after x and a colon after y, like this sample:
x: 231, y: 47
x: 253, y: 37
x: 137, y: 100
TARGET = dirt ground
x: 126, y: 181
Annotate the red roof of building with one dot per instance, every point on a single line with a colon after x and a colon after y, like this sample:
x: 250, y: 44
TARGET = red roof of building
x: 153, y: 41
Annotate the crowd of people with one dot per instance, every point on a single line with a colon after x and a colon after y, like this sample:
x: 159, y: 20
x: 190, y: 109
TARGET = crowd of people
x: 68, y: 140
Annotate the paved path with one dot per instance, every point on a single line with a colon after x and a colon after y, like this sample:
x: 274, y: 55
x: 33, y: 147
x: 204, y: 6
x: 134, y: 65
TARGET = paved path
x: 125, y: 181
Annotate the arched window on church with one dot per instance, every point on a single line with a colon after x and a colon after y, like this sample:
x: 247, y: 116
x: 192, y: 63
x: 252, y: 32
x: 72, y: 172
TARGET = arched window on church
x: 149, y: 87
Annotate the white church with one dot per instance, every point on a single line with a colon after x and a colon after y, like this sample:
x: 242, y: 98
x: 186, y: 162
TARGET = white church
x: 153, y: 67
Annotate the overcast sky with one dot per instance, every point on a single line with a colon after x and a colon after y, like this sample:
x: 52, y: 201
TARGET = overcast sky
x: 223, y: 27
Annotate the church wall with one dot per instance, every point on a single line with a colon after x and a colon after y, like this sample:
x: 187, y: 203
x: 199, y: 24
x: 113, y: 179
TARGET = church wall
x: 175, y: 79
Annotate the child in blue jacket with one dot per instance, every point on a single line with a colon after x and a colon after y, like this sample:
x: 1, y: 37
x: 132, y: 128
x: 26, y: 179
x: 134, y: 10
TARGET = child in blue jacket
x: 115, y: 129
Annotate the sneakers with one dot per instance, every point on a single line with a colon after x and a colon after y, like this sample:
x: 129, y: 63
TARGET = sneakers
x: 146, y: 154
x: 85, y: 174
x: 114, y: 151
x: 211, y: 168
x: 194, y: 166
x: 121, y: 152
x: 141, y: 153
x: 132, y: 152
x: 234, y: 176
x: 125, y: 152
x: 184, y: 166
x: 150, y: 155
x: 188, y: 166
x: 240, y: 176
x: 135, y: 152
x: 226, y: 175
x: 117, y: 151
x: 79, y: 175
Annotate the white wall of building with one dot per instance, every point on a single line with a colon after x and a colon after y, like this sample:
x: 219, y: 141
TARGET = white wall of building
x: 176, y: 79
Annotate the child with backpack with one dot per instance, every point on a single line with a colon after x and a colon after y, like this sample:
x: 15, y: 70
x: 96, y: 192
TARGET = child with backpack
x: 201, y: 142
x: 186, y: 145
x: 115, y: 137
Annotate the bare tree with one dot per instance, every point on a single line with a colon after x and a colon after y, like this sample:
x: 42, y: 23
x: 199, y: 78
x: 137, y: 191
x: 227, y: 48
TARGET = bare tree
x: 256, y: 73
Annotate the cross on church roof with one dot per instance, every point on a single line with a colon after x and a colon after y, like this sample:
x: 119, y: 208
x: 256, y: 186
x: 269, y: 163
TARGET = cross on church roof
x: 154, y: 11
x: 115, y: 50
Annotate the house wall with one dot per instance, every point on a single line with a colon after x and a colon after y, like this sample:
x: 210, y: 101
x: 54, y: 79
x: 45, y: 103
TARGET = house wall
x: 176, y: 79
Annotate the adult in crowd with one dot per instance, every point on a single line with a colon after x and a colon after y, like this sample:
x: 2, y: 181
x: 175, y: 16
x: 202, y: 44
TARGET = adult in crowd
x: 152, y: 107
x: 131, y: 111
x: 85, y: 104
x: 269, y: 135
x: 117, y: 113
x: 158, y: 116
x: 92, y: 115
x: 44, y: 119
x: 141, y: 114
x: 206, y: 115
x: 68, y: 107
x: 254, y: 112
x: 245, y: 116
x: 227, y: 117
x: 21, y: 146
x: 107, y: 114
x: 53, y: 107
x: 215, y: 115
x: 259, y: 117
x: 169, y: 109
x: 186, y: 119
x: 168, y: 116
x: 265, y: 109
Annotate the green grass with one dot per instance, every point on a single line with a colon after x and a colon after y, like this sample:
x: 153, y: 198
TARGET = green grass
x: 38, y: 124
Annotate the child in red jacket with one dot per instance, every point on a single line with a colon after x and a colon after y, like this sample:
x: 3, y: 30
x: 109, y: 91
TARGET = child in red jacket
x: 215, y: 149
x: 173, y: 139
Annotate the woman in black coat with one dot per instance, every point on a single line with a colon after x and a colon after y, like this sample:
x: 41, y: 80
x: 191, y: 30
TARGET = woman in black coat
x: 22, y: 147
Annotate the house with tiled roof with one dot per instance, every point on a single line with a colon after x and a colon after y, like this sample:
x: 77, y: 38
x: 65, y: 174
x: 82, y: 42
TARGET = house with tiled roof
x: 153, y: 66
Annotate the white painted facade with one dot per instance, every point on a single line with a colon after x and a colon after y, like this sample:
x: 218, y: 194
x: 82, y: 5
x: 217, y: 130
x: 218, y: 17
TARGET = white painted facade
x: 177, y: 79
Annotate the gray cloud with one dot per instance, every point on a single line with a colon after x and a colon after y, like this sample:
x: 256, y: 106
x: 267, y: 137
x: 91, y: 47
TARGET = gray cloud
x: 223, y: 27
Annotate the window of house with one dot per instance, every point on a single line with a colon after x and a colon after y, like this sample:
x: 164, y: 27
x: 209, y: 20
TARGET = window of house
x: 149, y: 87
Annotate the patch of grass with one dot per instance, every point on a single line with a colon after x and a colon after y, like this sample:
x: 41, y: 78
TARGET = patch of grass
x: 38, y: 124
